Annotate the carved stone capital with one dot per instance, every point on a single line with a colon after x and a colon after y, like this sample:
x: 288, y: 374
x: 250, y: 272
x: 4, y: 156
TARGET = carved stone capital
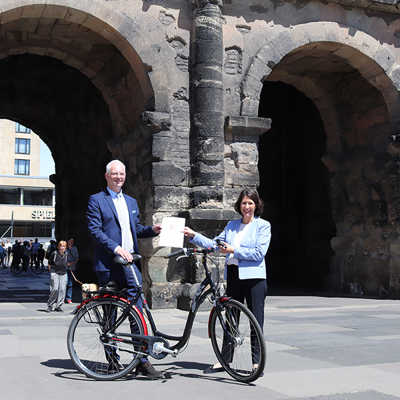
x: 247, y: 126
x: 203, y: 3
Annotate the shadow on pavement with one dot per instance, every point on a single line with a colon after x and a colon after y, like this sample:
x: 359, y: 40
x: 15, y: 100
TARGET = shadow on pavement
x: 170, y: 370
x: 178, y: 368
x: 59, y: 363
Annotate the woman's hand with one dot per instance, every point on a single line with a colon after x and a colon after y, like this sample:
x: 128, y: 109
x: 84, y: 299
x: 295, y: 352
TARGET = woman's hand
x: 188, y: 232
x: 225, y: 248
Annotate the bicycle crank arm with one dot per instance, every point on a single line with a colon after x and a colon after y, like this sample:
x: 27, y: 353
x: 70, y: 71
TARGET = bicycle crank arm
x: 158, y: 348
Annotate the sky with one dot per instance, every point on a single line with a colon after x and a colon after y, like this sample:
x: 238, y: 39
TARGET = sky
x: 46, y: 160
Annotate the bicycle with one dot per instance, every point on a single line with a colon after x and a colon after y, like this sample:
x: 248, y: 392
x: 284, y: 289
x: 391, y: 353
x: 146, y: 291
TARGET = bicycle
x: 108, y: 334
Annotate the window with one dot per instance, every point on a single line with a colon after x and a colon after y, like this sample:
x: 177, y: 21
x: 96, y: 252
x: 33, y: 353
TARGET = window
x: 9, y: 196
x: 21, y: 129
x: 38, y: 197
x: 21, y: 167
x: 22, y: 146
x: 28, y: 229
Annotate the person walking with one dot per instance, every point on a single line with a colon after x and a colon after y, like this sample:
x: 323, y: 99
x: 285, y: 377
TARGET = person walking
x: 34, y: 253
x: 58, y: 277
x: 17, y: 252
x: 2, y: 254
x: 73, y: 258
x: 244, y: 242
x: 41, y: 254
x: 9, y: 251
x: 26, y: 255
x: 114, y: 224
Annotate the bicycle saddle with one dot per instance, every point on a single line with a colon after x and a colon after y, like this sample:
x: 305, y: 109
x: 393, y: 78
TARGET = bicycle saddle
x: 110, y: 287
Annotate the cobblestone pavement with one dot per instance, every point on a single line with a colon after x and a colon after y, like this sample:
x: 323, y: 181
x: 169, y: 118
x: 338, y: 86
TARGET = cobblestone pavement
x: 319, y: 348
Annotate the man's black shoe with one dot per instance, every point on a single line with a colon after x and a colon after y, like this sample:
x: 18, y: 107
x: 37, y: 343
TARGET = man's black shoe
x: 147, y: 370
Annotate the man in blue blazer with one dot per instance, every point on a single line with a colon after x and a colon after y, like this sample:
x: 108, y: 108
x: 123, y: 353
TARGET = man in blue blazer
x: 113, y: 223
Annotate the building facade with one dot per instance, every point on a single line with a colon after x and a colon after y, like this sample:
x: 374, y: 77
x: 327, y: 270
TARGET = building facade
x: 184, y: 92
x: 26, y: 198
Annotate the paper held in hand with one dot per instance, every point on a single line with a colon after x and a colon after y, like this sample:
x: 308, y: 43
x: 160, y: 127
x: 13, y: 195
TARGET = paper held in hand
x: 172, y: 232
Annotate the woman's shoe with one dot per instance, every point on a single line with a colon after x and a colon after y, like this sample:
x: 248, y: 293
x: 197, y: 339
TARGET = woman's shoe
x: 213, y: 369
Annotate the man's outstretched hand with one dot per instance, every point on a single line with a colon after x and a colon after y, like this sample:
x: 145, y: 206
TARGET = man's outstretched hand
x: 156, y: 228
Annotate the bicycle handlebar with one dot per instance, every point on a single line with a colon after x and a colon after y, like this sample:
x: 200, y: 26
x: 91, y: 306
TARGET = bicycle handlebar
x: 188, y: 252
x: 120, y: 260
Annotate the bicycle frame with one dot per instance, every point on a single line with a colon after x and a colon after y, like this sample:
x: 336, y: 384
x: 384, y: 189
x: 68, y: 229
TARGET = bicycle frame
x: 201, y: 294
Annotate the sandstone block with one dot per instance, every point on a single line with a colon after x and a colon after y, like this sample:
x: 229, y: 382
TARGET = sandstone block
x: 164, y: 295
x: 170, y: 198
x: 167, y: 174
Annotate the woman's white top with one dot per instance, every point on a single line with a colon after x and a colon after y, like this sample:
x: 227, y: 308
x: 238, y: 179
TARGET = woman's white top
x: 236, y: 243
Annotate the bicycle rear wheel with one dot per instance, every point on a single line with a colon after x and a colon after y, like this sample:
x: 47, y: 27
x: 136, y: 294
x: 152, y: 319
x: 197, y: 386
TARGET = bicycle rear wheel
x: 92, y: 355
x: 240, y: 347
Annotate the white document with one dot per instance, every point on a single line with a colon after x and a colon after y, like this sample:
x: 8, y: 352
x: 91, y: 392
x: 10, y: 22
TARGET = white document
x: 172, y: 232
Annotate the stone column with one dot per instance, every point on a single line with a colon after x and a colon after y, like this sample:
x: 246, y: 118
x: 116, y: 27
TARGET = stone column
x: 207, y: 110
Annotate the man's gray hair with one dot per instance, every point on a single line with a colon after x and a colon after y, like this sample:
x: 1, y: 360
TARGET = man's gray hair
x: 108, y: 166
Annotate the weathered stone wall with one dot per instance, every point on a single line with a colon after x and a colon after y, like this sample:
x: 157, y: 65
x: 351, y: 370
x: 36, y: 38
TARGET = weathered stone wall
x: 146, y: 60
x: 347, y: 62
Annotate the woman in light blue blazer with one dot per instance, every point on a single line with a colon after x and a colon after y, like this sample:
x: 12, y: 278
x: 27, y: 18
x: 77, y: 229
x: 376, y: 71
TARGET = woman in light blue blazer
x: 245, y: 242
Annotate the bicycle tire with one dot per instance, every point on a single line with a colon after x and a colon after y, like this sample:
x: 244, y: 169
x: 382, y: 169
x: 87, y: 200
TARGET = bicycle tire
x: 244, y: 345
x: 85, y: 348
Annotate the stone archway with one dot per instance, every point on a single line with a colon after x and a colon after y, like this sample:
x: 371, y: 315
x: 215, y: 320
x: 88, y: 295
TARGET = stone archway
x: 72, y: 78
x: 357, y: 100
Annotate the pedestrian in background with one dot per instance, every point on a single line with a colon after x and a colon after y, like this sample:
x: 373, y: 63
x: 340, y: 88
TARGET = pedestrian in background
x: 34, y: 253
x: 26, y: 255
x: 9, y: 251
x: 73, y: 258
x: 41, y: 254
x: 16, y: 251
x: 58, y: 263
x: 52, y: 247
x: 2, y: 253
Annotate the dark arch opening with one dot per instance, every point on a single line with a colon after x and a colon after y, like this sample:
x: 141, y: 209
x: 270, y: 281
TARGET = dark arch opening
x: 294, y: 184
x: 69, y: 113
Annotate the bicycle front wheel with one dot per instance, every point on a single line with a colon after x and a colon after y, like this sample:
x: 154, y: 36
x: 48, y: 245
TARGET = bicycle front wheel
x: 238, y: 341
x: 92, y: 354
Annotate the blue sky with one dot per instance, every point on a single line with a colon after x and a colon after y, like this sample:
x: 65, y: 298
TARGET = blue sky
x: 46, y: 160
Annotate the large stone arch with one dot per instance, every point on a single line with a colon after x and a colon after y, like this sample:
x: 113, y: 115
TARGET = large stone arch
x: 113, y: 58
x: 130, y: 36
x: 353, y: 82
x: 358, y: 50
